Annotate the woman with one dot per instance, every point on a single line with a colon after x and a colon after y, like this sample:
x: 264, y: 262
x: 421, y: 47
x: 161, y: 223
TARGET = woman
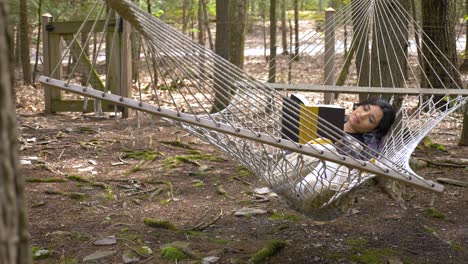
x: 317, y: 181
x: 368, y: 123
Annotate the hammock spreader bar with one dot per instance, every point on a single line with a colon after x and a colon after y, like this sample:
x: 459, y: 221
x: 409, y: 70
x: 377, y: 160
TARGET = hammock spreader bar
x: 244, y: 133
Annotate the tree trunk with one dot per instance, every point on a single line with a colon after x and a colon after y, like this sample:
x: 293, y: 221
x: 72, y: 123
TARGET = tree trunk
x: 284, y: 28
x: 222, y: 94
x: 360, y: 43
x: 464, y: 65
x: 389, y: 46
x: 464, y: 135
x: 238, y: 12
x: 185, y: 17
x: 296, y: 29
x: 39, y: 26
x: 272, y: 61
x: 24, y: 43
x: 207, y: 24
x: 14, y: 238
x: 438, y: 22
x: 201, y: 31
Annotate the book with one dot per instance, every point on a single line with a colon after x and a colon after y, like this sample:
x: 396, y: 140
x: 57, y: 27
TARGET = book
x: 303, y: 122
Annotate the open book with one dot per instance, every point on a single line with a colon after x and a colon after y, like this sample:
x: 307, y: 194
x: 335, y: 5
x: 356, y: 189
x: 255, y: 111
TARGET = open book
x: 303, y: 122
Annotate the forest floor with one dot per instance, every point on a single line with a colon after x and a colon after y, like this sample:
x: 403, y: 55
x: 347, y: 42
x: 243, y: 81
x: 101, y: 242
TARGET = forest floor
x: 92, y: 182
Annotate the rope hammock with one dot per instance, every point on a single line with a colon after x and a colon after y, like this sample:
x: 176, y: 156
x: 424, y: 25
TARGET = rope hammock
x: 252, y: 121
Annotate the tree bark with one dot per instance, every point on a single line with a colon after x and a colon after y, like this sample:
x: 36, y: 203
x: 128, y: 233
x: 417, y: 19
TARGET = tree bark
x: 360, y: 43
x: 14, y: 238
x: 389, y: 46
x: 438, y: 22
x: 201, y: 31
x: 207, y: 24
x: 238, y: 10
x: 24, y: 42
x: 296, y: 29
x: 284, y: 28
x: 222, y: 93
x: 39, y: 26
x: 272, y: 61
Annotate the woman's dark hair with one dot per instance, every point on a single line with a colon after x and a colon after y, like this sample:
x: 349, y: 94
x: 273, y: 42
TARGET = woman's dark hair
x: 388, y: 114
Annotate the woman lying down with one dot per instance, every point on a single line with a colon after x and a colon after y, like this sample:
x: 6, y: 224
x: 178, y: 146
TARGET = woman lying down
x: 313, y: 182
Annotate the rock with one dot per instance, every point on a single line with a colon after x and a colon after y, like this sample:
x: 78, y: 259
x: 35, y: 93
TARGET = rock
x: 98, y: 255
x: 245, y: 211
x: 130, y: 257
x: 394, y: 261
x: 417, y: 164
x: 41, y: 253
x: 210, y: 260
x: 106, y: 241
x: 263, y: 190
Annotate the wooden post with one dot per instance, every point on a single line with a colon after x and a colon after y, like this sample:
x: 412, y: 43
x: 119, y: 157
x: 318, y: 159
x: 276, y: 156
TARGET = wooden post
x: 46, y: 18
x: 329, y: 56
x: 52, y: 52
x: 126, y: 65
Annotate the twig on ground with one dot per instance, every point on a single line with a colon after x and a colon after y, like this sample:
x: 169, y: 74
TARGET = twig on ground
x: 241, y: 180
x: 444, y: 164
x: 143, y: 192
x: 200, y: 226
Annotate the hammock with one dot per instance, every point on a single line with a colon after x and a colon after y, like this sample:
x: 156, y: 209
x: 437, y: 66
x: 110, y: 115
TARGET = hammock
x: 251, y: 121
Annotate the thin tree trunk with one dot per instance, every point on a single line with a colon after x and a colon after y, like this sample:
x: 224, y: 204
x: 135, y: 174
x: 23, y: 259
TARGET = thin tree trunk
x: 237, y: 32
x: 39, y: 26
x: 207, y: 25
x: 222, y: 93
x: 284, y: 28
x: 24, y: 44
x: 361, y: 43
x: 272, y: 61
x: 185, y: 19
x: 14, y: 238
x: 296, y: 29
x: 201, y: 31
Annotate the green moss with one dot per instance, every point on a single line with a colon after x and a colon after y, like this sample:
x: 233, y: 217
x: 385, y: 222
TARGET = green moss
x: 221, y: 241
x: 138, y: 239
x: 196, y: 233
x: 269, y: 249
x: 45, y: 180
x: 362, y: 254
x: 137, y: 168
x: 198, y: 184
x: 77, y: 178
x: 433, y: 212
x: 109, y: 194
x: 193, y: 152
x: 457, y: 247
x: 68, y: 261
x: 242, y: 171
x: 372, y: 256
x: 177, y: 143
x: 40, y: 253
x: 176, y: 161
x: 429, y: 229
x: 438, y: 147
x: 173, y: 253
x: 164, y: 201
x: 288, y: 217
x: 142, y: 155
x: 159, y: 224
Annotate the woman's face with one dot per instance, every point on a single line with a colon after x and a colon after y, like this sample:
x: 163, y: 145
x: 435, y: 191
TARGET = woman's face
x: 365, y: 118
